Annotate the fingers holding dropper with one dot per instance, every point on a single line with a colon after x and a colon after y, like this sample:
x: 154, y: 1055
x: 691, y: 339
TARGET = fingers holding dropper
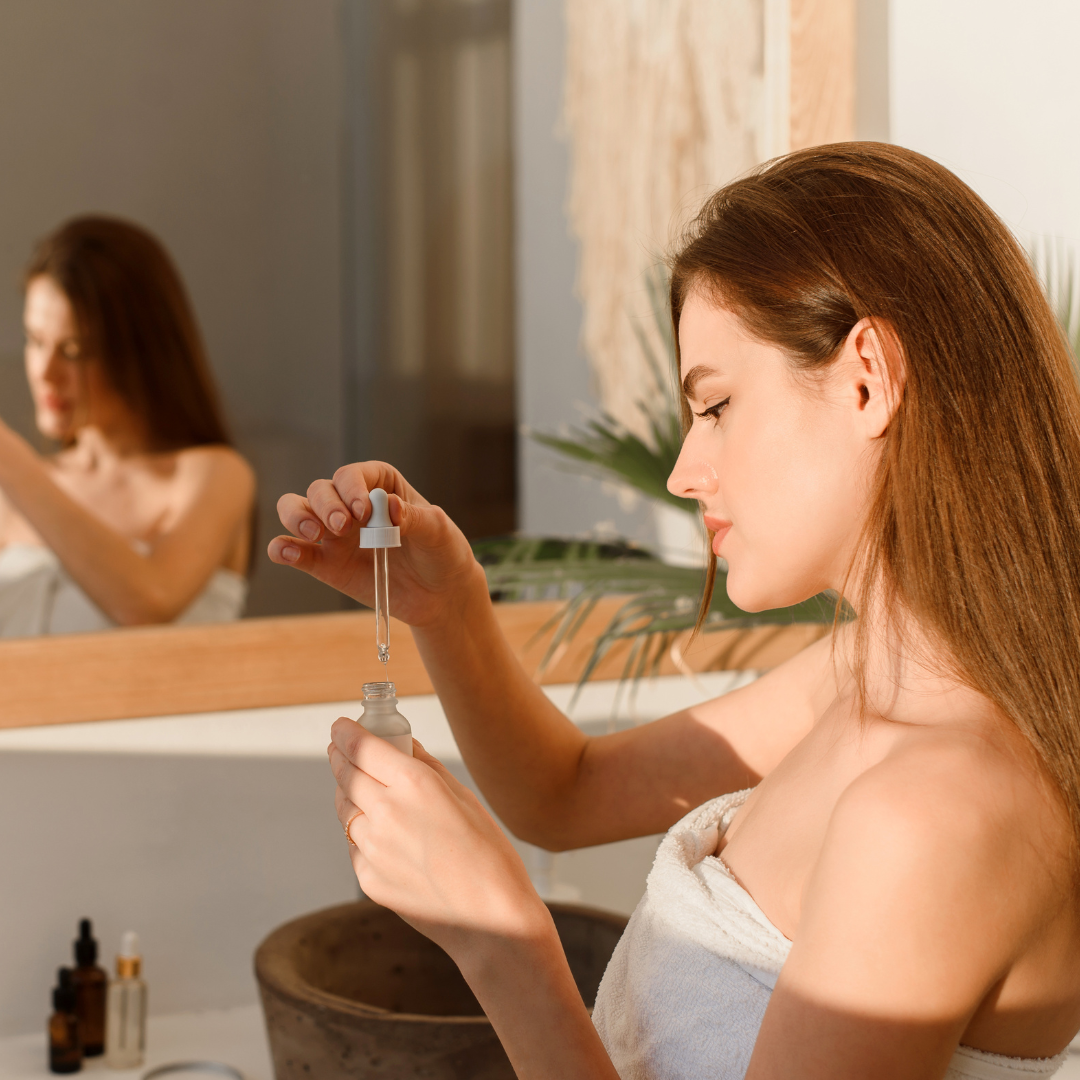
x: 331, y: 511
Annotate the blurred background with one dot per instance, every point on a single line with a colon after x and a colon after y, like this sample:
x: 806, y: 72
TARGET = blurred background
x: 384, y: 209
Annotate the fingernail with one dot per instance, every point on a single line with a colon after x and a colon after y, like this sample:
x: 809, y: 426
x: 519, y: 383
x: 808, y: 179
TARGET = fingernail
x: 290, y: 554
x: 309, y: 529
x: 338, y: 521
x: 358, y: 509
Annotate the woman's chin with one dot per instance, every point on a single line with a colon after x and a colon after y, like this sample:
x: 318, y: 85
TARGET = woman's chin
x: 752, y: 596
x: 54, y: 427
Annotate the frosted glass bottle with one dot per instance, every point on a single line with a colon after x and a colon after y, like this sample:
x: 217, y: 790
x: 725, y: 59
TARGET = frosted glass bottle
x: 381, y: 716
x: 125, y: 1023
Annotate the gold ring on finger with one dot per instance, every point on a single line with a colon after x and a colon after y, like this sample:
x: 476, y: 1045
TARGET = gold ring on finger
x: 348, y: 823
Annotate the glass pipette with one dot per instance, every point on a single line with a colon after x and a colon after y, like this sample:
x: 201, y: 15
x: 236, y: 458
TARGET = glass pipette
x: 380, y: 535
x: 382, y: 606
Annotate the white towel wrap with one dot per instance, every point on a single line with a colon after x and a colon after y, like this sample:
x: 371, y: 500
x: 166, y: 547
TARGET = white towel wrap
x: 38, y: 596
x: 688, y: 984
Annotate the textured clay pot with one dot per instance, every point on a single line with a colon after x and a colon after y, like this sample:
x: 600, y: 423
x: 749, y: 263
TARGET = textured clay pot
x: 354, y: 992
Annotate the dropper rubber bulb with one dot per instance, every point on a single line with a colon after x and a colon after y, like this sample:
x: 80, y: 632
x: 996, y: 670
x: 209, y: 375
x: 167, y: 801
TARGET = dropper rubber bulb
x: 380, y: 534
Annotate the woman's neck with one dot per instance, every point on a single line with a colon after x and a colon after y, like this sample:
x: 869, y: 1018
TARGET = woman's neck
x: 100, y: 448
x: 908, y: 677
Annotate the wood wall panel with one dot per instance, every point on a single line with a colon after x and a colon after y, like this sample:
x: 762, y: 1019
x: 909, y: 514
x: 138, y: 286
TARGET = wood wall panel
x: 253, y: 663
x: 822, y: 72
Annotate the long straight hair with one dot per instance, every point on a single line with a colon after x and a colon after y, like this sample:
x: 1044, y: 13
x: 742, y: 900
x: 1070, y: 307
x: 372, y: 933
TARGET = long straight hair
x: 134, y: 317
x: 974, y: 518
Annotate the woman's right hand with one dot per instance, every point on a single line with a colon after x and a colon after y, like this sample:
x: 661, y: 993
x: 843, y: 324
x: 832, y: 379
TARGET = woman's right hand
x: 429, y: 574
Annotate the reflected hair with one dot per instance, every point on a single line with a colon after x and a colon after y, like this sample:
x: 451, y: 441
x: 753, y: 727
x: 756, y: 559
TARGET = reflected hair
x: 973, y: 527
x: 134, y: 317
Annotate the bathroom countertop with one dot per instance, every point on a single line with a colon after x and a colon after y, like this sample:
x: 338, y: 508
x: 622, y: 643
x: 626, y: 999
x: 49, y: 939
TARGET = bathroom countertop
x: 302, y: 731
x: 234, y: 1036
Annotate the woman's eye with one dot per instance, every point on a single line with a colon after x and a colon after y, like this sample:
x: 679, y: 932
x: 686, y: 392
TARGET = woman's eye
x: 714, y: 411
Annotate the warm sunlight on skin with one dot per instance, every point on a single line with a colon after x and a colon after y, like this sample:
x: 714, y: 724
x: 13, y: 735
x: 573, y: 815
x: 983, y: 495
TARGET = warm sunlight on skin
x: 69, y: 389
x: 784, y: 463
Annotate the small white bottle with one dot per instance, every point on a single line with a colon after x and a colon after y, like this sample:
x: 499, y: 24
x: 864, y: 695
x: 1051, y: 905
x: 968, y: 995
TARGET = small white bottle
x: 125, y: 1017
x: 381, y: 717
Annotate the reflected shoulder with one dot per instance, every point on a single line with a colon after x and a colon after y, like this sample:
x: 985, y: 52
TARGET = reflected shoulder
x: 217, y: 462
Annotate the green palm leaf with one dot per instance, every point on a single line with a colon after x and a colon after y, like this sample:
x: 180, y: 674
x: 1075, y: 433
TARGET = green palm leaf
x: 661, y: 600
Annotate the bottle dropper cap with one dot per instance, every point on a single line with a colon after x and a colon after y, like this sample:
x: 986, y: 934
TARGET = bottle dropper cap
x: 63, y: 995
x: 379, y: 532
x: 86, y: 949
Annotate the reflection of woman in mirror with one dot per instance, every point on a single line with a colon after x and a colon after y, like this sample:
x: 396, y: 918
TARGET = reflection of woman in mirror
x: 874, y: 850
x: 143, y: 515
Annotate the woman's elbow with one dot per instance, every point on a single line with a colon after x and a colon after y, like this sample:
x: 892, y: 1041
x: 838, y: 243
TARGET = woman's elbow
x: 545, y: 830
x: 149, y: 609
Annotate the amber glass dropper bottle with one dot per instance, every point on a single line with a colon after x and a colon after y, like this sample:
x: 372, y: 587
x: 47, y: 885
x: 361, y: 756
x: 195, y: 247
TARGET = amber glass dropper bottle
x: 91, y: 986
x: 65, y: 1047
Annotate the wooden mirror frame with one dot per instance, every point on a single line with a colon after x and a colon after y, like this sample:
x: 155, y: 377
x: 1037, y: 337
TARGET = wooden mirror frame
x: 300, y: 659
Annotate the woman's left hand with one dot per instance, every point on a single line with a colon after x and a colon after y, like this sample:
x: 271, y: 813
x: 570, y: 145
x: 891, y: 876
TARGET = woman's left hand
x: 428, y: 850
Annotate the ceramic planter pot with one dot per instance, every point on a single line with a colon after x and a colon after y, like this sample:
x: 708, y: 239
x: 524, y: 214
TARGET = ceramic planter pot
x: 354, y: 992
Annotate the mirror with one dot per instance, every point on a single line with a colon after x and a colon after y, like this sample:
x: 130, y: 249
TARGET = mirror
x: 333, y: 181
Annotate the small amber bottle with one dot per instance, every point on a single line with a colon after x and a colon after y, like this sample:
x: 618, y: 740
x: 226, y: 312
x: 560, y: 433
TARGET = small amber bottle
x: 91, y: 986
x: 65, y: 1046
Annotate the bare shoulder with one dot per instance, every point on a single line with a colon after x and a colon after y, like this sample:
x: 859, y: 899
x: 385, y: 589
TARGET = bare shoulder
x: 953, y: 846
x: 215, y: 465
x: 977, y: 795
x: 933, y: 914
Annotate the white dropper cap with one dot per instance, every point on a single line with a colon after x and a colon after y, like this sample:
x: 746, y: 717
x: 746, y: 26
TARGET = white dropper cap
x: 129, y: 962
x: 379, y: 532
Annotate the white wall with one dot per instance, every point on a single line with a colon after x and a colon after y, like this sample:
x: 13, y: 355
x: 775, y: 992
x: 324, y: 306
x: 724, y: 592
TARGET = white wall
x: 216, y: 123
x: 991, y: 88
x: 203, y: 856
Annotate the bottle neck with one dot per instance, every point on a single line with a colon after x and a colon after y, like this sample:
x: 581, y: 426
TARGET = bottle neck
x: 379, y: 691
x: 128, y: 967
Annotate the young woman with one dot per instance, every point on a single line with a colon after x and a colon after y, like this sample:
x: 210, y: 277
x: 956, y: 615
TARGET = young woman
x: 144, y: 513
x: 878, y: 402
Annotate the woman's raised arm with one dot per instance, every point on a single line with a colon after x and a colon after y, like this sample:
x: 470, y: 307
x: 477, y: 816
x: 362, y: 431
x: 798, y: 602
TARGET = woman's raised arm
x: 550, y: 783
x: 217, y: 490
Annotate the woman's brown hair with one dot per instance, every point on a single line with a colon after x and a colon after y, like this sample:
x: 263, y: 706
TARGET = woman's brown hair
x: 134, y: 317
x: 974, y: 519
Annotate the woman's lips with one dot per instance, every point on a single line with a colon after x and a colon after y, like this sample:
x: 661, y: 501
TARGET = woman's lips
x: 719, y: 528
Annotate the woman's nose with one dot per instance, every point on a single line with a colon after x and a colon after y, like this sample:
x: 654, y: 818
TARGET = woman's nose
x: 693, y: 476
x: 54, y: 370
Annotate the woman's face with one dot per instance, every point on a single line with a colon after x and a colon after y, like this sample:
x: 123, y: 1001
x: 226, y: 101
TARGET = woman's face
x: 780, y: 468
x: 69, y: 389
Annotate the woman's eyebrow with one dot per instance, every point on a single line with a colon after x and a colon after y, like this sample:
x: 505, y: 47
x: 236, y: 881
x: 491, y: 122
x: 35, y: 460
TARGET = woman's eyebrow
x: 694, y: 376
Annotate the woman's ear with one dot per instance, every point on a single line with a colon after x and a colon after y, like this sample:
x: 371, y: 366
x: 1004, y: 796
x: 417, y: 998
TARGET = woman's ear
x: 873, y: 373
